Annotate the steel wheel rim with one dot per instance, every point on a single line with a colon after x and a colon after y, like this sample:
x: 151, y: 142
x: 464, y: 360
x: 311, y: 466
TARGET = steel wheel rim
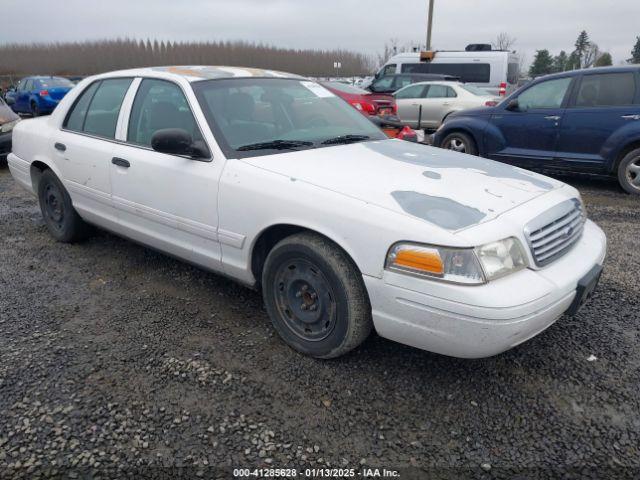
x: 457, y: 145
x: 305, y: 300
x: 633, y: 173
x: 54, y: 206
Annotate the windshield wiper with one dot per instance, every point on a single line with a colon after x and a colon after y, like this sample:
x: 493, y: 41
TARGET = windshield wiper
x: 275, y: 145
x: 343, y: 139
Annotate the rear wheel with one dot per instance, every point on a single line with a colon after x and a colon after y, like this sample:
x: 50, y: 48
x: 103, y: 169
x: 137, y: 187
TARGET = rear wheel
x: 315, y: 296
x: 63, y: 222
x: 460, y: 142
x: 35, y: 110
x: 629, y: 172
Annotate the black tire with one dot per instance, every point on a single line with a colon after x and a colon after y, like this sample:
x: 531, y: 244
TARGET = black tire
x: 460, y: 142
x: 35, y: 110
x: 308, y: 270
x: 62, y: 221
x: 629, y: 172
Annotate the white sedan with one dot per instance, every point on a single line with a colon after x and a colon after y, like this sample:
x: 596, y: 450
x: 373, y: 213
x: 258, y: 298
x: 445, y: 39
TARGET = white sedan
x: 427, y: 104
x: 270, y: 179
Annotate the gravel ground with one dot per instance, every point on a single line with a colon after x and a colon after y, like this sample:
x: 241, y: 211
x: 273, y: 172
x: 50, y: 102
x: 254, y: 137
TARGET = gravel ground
x: 120, y: 361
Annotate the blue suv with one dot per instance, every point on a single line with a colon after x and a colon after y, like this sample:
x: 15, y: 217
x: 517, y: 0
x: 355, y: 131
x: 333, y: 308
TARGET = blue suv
x: 580, y: 121
x: 38, y: 95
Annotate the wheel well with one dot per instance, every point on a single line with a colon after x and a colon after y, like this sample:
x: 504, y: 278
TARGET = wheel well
x: 270, y: 237
x: 36, y: 170
x: 623, y: 153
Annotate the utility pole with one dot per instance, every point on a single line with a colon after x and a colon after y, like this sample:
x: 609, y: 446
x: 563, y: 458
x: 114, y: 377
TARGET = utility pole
x: 429, y: 24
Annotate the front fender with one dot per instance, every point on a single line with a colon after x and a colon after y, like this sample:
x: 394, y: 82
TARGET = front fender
x: 473, y: 126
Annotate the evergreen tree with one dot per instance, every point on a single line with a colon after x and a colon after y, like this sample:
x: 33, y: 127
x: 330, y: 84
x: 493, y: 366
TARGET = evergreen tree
x: 635, y: 53
x: 542, y: 64
x: 604, y: 60
x: 582, y: 45
x: 561, y: 62
x: 574, y: 61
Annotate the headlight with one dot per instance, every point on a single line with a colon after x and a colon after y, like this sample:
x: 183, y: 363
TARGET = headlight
x: 502, y: 258
x: 458, y: 265
x: 7, y: 127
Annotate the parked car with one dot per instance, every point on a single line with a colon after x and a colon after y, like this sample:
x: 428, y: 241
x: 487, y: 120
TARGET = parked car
x: 496, y: 71
x: 366, y: 102
x: 584, y: 121
x: 8, y: 120
x: 38, y: 95
x: 427, y: 104
x: 272, y: 180
x: 392, y: 83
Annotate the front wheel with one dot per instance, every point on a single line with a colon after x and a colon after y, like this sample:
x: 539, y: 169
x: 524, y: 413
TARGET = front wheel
x: 629, y: 172
x: 460, y: 142
x: 63, y: 222
x: 315, y: 296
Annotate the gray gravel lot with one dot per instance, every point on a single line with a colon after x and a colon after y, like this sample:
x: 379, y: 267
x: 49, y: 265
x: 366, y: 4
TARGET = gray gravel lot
x: 116, y: 359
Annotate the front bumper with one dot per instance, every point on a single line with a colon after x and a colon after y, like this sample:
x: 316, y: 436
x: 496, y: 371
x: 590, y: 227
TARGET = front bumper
x: 5, y: 144
x: 481, y: 321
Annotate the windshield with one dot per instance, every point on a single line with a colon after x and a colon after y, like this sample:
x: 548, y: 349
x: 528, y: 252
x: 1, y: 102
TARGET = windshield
x: 475, y: 90
x: 262, y: 116
x: 54, y: 82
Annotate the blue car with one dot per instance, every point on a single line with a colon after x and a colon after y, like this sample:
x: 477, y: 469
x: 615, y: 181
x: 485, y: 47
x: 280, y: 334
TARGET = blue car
x: 584, y: 121
x: 38, y: 95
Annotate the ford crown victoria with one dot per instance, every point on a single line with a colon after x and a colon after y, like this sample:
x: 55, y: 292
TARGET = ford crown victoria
x: 270, y: 179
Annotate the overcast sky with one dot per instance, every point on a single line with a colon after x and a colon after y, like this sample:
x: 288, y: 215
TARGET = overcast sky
x: 359, y: 25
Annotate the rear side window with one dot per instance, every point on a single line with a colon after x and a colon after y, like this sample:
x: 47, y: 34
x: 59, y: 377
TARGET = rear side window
x: 96, y: 111
x: 75, y: 119
x: 606, y: 90
x: 467, y: 72
x: 158, y: 105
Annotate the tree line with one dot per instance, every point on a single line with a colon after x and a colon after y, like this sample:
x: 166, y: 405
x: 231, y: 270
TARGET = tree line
x: 586, y: 54
x: 91, y: 57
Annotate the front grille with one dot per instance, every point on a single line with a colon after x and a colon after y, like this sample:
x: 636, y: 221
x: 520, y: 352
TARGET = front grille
x: 553, y: 233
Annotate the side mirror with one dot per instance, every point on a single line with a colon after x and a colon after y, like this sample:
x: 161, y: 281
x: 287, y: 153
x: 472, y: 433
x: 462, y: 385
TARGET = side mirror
x: 513, y: 105
x: 175, y: 141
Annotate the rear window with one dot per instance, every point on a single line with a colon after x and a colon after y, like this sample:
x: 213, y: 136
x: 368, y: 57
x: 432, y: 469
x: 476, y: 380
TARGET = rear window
x: 55, y: 82
x: 467, y: 72
x: 606, y: 90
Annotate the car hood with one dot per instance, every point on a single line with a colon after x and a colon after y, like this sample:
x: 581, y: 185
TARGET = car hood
x: 451, y: 190
x: 476, y: 112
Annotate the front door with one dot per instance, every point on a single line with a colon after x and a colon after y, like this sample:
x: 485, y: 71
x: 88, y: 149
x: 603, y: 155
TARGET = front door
x: 604, y: 104
x: 22, y: 96
x: 528, y: 135
x: 166, y: 201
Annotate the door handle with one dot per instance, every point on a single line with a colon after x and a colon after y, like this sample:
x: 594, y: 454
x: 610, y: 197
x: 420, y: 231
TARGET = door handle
x: 60, y: 146
x: 554, y: 118
x: 631, y: 117
x: 121, y: 162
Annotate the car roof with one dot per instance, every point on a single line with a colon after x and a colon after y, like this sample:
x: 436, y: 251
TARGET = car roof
x: 573, y: 73
x: 194, y: 73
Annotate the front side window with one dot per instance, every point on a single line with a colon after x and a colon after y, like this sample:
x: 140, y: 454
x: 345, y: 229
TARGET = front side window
x: 262, y: 116
x: 414, y: 91
x: 607, y: 90
x: 96, y: 111
x: 158, y: 105
x: 548, y: 94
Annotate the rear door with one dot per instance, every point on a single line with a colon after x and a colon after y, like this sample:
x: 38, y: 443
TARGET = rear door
x: 603, y: 107
x: 528, y: 136
x: 166, y: 201
x: 85, y: 145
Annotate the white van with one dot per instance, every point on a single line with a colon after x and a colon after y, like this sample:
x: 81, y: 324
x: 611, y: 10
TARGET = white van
x: 496, y: 71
